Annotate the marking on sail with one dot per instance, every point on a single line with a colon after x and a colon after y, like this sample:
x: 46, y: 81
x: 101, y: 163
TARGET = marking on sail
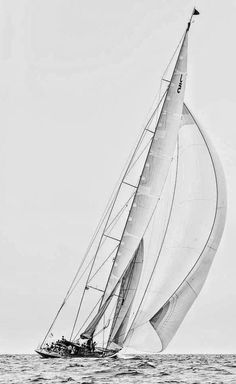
x: 180, y: 84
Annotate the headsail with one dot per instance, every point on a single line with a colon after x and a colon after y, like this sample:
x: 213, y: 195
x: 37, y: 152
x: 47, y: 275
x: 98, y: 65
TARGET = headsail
x: 193, y: 235
x: 153, y: 176
x: 127, y: 293
x: 129, y: 283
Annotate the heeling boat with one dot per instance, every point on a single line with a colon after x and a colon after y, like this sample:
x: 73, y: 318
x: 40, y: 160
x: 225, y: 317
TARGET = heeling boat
x: 153, y: 248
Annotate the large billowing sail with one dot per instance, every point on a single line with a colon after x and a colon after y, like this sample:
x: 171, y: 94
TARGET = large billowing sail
x: 193, y: 233
x: 127, y: 293
x: 153, y: 176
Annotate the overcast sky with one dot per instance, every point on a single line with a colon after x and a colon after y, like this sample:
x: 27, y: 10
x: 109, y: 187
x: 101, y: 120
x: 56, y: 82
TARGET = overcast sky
x: 77, y: 80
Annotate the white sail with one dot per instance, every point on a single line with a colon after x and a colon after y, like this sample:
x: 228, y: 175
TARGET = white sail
x: 127, y: 293
x: 193, y: 233
x: 155, y: 170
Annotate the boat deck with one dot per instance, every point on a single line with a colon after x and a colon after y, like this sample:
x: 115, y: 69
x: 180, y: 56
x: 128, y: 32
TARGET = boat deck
x: 80, y: 354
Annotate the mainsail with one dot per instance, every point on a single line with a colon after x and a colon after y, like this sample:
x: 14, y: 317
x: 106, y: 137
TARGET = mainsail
x: 194, y: 231
x: 152, y: 179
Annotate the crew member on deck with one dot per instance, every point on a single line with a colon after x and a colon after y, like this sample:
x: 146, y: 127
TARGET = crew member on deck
x: 93, y: 346
x: 89, y: 344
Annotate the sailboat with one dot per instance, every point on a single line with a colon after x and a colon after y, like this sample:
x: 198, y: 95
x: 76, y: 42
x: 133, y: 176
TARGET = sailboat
x: 152, y: 250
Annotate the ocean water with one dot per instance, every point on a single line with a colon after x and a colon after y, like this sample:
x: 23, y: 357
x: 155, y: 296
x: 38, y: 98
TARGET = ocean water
x: 172, y: 369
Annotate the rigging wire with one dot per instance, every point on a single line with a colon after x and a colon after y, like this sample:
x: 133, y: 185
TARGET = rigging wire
x: 109, y: 214
x: 132, y: 205
x: 93, y: 309
x: 101, y: 330
x: 108, y: 257
x: 104, y: 229
x: 106, y: 212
